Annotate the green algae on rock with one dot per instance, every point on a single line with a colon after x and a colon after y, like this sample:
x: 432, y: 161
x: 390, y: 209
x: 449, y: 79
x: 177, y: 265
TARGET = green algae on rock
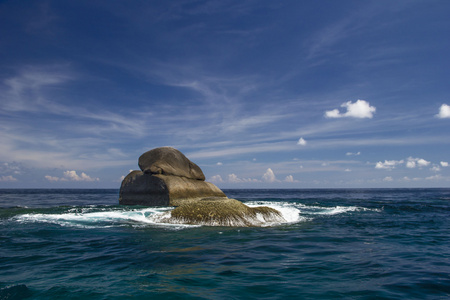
x: 223, y: 212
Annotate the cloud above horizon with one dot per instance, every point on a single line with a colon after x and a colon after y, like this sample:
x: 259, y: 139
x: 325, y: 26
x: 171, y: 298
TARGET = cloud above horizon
x: 8, y: 178
x: 419, y: 162
x: 360, y: 109
x: 301, y: 142
x: 269, y: 176
x: 444, y: 111
x: 72, y: 176
x: 388, y: 164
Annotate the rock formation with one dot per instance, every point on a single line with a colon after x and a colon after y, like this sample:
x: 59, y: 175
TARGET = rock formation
x: 168, y: 178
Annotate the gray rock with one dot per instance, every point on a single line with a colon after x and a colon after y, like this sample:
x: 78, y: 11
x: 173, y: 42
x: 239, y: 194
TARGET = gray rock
x: 139, y: 188
x: 169, y: 161
x: 223, y: 212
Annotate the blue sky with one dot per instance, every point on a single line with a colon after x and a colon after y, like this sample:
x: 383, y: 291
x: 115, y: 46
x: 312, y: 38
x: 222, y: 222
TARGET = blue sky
x: 260, y: 94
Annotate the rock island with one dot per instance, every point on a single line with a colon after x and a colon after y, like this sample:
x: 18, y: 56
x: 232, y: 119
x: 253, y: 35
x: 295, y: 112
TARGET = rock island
x: 168, y: 178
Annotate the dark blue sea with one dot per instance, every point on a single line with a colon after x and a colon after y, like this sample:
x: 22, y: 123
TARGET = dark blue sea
x: 332, y: 244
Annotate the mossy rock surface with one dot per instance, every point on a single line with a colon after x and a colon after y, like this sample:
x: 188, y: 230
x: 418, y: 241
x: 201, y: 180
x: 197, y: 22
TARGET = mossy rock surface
x: 223, y: 212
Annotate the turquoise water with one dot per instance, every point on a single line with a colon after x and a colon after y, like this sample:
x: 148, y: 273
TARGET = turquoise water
x: 332, y: 244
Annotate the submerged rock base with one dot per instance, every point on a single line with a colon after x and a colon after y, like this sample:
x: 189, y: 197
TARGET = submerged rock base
x: 223, y: 212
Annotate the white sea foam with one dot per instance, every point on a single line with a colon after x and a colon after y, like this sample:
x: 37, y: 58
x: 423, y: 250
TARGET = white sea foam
x: 95, y: 217
x: 289, y: 212
x: 86, y: 218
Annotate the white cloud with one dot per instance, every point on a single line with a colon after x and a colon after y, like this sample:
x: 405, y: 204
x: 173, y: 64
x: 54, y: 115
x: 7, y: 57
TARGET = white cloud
x: 434, y: 177
x: 51, y: 178
x: 72, y: 176
x: 8, y: 178
x: 347, y: 170
x: 360, y: 109
x: 435, y: 168
x: 410, y: 164
x: 444, y: 111
x: 351, y: 153
x: 216, y: 178
x: 419, y: 162
x: 290, y: 178
x: 388, y: 164
x: 234, y: 179
x: 388, y: 178
x: 444, y: 164
x: 219, y: 164
x: 269, y: 176
x: 333, y: 113
x: 301, y: 142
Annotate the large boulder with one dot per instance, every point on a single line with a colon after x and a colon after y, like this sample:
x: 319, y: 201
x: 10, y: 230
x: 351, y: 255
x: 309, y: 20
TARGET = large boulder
x: 139, y: 188
x: 169, y: 161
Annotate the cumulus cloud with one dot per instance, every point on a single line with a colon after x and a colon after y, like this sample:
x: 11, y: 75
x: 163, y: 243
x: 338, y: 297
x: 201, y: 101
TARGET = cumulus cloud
x: 269, y: 176
x: 444, y: 164
x: 233, y: 178
x: 388, y: 164
x: 72, y: 176
x: 360, y: 109
x: 436, y: 168
x: 290, y: 178
x: 51, y: 178
x: 301, y: 142
x: 434, y: 177
x: 444, y: 111
x: 419, y: 162
x: 8, y: 178
x: 388, y: 178
x: 216, y: 178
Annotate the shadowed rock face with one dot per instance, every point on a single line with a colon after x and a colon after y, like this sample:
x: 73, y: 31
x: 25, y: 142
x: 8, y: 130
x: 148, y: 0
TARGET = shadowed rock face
x: 139, y: 188
x: 169, y: 161
x: 168, y: 178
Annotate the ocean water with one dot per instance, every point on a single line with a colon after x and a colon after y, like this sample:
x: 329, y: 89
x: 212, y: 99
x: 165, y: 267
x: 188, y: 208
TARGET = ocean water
x: 331, y: 244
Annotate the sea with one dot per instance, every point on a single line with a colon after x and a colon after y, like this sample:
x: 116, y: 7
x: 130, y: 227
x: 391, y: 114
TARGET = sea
x: 330, y: 244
